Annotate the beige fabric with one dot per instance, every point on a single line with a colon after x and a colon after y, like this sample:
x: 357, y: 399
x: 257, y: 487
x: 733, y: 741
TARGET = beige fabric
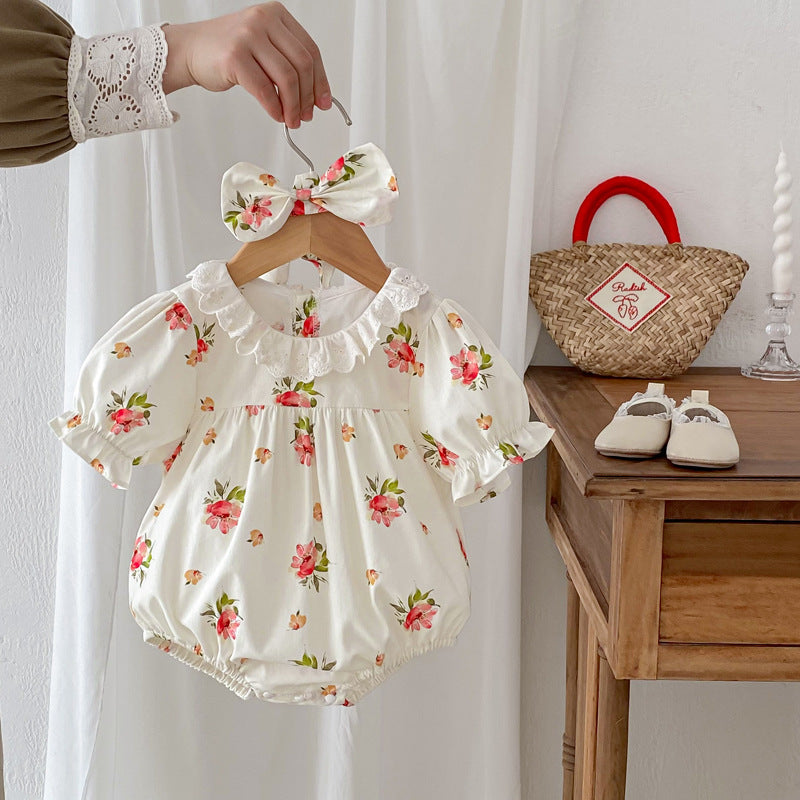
x: 34, y: 50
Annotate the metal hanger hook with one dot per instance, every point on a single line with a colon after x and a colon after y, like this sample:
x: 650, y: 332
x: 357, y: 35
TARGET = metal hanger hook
x: 347, y: 121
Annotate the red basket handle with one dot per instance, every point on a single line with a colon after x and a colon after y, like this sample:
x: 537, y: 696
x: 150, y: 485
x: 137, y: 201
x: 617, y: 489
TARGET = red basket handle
x: 624, y: 184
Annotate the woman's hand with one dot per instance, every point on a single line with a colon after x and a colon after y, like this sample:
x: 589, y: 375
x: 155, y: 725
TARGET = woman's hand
x: 263, y: 49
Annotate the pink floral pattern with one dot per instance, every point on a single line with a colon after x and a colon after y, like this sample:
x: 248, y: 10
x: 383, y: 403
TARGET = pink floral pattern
x: 417, y: 612
x: 256, y: 212
x: 343, y: 169
x: 223, y: 506
x: 205, y: 340
x: 178, y: 317
x: 510, y: 452
x: 385, y: 502
x: 140, y: 560
x: 306, y: 318
x: 436, y: 454
x: 224, y: 616
x: 298, y: 393
x: 400, y: 348
x: 249, y: 213
x: 310, y: 564
x: 170, y: 459
x: 303, y: 441
x: 389, y: 492
x: 125, y: 415
x: 470, y: 365
x: 334, y: 171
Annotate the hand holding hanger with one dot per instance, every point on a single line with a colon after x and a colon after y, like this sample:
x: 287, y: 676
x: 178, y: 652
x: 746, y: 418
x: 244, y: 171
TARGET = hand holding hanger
x: 258, y: 48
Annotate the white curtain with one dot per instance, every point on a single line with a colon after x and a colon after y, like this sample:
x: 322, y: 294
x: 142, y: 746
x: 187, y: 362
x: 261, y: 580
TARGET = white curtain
x: 454, y: 93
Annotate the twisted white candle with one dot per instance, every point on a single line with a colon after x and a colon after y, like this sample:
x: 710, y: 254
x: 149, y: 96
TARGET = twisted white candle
x: 782, y: 246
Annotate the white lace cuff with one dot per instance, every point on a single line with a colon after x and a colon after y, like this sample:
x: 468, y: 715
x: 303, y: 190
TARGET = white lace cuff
x: 114, y: 83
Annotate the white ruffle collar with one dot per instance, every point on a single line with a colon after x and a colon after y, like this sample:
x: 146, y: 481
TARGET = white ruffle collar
x: 303, y: 358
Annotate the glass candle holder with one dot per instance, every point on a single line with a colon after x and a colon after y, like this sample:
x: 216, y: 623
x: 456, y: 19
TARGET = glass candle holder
x: 776, y: 364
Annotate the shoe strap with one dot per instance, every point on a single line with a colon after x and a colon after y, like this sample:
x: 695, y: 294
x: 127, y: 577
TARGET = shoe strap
x: 654, y: 390
x: 700, y: 396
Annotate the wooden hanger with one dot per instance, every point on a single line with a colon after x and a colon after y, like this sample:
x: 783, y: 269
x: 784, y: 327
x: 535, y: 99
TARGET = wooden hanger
x: 330, y: 238
x: 338, y: 241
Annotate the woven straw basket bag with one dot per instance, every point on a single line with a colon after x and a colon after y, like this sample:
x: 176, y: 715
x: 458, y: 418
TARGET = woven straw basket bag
x: 633, y: 310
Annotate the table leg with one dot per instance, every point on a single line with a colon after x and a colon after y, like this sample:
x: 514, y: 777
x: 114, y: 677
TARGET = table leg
x: 612, y: 734
x: 586, y: 710
x: 596, y: 719
x: 568, y: 744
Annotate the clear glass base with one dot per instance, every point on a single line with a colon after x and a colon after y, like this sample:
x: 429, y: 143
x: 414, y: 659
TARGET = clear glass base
x: 776, y: 364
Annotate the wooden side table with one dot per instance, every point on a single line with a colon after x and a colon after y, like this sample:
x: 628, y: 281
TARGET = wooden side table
x: 672, y: 572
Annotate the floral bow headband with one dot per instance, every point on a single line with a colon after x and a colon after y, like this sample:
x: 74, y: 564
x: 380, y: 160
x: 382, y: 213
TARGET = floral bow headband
x: 359, y: 186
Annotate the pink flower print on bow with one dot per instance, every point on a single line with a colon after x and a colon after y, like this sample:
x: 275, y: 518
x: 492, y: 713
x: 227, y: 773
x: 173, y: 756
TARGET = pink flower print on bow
x: 359, y: 186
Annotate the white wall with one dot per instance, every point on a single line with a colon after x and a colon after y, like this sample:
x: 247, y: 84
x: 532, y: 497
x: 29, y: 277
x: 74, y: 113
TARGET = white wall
x: 694, y: 98
x: 32, y: 267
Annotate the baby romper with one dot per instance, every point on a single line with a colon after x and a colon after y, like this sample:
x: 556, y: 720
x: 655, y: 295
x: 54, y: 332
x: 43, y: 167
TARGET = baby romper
x: 316, y: 446
x: 305, y: 540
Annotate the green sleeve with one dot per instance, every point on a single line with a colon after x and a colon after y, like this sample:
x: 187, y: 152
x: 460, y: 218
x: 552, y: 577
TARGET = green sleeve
x: 34, y: 52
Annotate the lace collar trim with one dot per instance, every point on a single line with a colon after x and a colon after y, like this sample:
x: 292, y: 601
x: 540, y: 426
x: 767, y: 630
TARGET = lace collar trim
x: 303, y: 358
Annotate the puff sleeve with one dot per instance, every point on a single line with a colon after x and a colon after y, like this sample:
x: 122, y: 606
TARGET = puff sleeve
x: 469, y: 407
x: 135, y: 390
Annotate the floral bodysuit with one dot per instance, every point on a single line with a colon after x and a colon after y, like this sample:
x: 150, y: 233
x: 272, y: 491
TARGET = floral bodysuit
x: 316, y: 446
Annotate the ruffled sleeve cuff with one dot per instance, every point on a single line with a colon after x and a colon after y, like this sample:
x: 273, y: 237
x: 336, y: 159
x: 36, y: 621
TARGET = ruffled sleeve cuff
x: 114, y: 83
x: 94, y: 447
x: 485, y: 473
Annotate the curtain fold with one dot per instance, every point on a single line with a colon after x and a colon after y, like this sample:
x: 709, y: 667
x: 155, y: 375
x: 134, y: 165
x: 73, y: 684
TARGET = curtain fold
x: 451, y: 93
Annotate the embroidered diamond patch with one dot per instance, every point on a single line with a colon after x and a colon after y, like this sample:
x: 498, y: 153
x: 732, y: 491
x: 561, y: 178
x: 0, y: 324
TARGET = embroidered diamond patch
x: 628, y: 297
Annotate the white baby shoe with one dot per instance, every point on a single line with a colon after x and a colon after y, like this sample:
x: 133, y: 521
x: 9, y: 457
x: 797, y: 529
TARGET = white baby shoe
x: 640, y: 427
x: 701, y: 435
